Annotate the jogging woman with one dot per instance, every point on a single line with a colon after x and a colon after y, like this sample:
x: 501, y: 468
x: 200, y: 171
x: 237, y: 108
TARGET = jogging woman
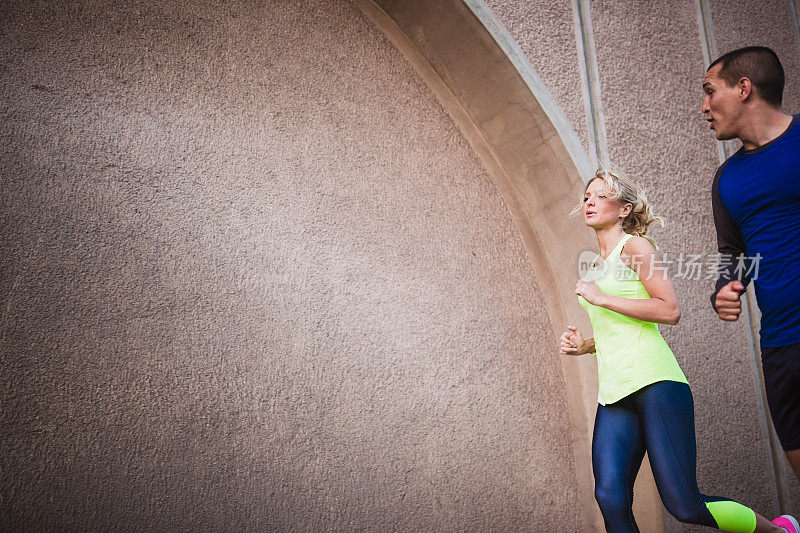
x: 645, y: 403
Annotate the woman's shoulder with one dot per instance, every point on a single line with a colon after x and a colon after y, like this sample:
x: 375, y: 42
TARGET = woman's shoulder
x: 637, y: 244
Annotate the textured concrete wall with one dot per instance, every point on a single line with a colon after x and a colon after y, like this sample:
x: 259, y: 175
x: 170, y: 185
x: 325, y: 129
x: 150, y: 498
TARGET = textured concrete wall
x: 545, y: 30
x: 768, y: 23
x: 253, y: 277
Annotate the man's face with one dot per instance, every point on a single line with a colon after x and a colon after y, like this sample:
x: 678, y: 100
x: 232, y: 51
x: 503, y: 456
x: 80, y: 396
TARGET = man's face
x: 722, y: 105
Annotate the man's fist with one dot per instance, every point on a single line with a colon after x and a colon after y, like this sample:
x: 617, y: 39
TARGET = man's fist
x: 729, y: 302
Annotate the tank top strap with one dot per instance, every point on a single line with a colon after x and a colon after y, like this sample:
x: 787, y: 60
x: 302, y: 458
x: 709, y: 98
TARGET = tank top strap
x: 621, y: 244
x: 614, y: 255
x: 617, y: 251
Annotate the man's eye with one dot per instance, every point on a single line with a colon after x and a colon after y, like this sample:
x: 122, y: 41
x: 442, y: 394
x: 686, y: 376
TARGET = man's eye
x: 585, y: 198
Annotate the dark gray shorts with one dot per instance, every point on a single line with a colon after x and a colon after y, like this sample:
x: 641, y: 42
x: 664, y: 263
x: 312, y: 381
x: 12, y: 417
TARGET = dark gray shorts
x: 782, y: 382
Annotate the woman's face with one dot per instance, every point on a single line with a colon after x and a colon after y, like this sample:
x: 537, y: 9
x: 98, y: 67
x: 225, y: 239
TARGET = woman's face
x: 599, y: 210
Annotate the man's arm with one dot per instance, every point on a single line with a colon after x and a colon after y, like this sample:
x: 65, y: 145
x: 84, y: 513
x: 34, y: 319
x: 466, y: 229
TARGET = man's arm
x: 731, y: 247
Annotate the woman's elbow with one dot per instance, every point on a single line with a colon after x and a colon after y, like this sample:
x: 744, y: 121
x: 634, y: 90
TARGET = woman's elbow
x: 674, y: 316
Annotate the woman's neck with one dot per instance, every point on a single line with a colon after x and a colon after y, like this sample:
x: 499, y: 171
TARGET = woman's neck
x: 608, y: 238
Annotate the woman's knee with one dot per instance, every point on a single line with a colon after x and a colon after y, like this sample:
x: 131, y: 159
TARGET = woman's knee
x: 690, y: 513
x: 611, y: 498
x: 686, y: 515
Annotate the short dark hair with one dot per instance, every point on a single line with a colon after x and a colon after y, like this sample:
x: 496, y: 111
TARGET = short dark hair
x: 760, y: 65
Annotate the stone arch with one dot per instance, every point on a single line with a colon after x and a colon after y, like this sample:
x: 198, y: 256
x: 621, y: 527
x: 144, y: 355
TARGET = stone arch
x: 507, y: 114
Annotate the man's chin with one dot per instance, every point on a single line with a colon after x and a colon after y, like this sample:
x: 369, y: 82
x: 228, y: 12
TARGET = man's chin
x: 722, y: 136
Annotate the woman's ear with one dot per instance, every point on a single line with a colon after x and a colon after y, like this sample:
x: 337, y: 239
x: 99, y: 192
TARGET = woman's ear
x: 626, y: 210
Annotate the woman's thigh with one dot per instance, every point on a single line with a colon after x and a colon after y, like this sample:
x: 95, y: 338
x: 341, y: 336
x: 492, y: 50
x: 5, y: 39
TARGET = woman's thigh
x: 666, y: 410
x: 617, y: 448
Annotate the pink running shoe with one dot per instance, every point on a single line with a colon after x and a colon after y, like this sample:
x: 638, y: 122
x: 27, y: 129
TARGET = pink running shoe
x: 788, y: 523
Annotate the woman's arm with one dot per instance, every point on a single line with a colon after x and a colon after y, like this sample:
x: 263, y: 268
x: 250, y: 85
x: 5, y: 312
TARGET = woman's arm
x: 662, y: 307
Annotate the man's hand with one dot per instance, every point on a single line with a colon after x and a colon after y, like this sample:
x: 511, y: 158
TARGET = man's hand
x: 729, y: 302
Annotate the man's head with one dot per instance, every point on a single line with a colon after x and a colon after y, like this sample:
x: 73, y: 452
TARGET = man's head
x: 738, y: 80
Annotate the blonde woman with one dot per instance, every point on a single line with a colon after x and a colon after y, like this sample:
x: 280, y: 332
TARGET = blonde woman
x: 645, y: 403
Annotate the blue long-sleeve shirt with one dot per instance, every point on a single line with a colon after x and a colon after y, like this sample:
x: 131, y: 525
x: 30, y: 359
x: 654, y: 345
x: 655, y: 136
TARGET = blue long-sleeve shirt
x: 756, y: 202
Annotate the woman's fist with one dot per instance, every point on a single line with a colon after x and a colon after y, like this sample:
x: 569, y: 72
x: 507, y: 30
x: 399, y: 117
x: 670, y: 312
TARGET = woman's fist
x: 589, y: 292
x: 571, y: 341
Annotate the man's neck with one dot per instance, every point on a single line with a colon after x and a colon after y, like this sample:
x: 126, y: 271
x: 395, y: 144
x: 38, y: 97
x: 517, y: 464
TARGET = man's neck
x: 762, y: 126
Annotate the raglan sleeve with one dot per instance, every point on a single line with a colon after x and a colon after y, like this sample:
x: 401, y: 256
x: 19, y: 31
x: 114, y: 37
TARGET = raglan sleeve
x: 730, y: 243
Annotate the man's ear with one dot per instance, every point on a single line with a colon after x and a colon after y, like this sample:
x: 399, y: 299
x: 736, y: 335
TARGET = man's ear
x: 745, y: 88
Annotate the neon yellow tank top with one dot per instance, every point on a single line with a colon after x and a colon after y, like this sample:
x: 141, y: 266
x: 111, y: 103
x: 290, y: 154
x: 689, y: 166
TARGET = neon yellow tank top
x: 631, y: 353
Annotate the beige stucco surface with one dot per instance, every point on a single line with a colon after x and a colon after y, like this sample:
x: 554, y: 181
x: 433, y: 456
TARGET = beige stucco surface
x: 768, y: 23
x: 262, y: 267
x: 545, y: 29
x: 254, y: 277
x: 494, y: 105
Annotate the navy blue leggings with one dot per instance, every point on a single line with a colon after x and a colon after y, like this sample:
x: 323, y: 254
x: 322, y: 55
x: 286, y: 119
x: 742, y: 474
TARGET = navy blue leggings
x: 659, y: 419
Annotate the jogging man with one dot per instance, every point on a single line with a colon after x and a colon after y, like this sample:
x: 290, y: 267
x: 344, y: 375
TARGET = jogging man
x: 756, y: 202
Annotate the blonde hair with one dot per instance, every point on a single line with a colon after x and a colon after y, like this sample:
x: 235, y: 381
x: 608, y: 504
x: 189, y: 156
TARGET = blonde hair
x: 619, y: 186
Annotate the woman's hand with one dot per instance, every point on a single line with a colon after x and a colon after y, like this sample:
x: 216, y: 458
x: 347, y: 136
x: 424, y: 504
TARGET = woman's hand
x: 572, y: 342
x: 589, y: 292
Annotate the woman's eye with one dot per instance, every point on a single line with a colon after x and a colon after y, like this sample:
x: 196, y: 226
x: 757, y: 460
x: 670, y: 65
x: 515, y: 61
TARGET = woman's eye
x: 585, y: 198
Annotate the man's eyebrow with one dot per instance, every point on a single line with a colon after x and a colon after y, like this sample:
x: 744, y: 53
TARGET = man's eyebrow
x: 706, y: 83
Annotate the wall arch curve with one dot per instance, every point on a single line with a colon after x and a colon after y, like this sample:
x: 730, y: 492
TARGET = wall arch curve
x: 483, y: 79
x: 196, y: 313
